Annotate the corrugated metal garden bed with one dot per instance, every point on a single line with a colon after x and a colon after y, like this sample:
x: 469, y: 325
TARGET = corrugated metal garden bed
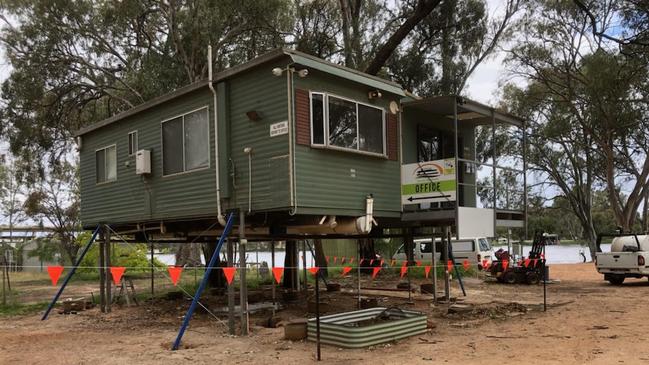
x: 367, y: 327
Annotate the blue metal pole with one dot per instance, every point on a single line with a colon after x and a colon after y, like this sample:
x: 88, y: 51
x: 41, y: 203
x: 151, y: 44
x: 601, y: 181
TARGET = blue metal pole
x: 201, y: 287
x: 74, y: 268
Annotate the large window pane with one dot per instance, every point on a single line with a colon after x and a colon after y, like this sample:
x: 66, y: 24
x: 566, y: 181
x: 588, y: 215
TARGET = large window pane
x: 317, y: 118
x: 111, y: 163
x: 342, y: 123
x: 100, y: 164
x: 196, y: 140
x: 428, y: 144
x: 172, y: 146
x: 370, y: 129
x: 509, y: 146
x: 484, y: 144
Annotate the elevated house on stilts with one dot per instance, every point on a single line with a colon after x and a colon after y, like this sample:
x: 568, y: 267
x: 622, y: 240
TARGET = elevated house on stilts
x: 302, y: 148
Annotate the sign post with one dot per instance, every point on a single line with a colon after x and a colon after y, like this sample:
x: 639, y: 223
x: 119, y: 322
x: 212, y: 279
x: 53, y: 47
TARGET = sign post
x: 428, y: 182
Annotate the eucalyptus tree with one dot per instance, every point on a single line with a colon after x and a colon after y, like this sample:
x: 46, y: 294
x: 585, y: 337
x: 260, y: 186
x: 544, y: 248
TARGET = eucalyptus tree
x: 586, y: 104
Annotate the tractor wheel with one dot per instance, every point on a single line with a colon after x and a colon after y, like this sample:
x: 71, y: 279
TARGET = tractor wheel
x: 532, y: 278
x: 616, y: 279
x: 509, y: 277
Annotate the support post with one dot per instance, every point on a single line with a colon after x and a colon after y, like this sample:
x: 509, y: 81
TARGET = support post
x: 358, y: 271
x: 457, y: 171
x: 109, y: 277
x: 4, y: 270
x: 243, y: 289
x: 317, y: 315
x: 231, y: 319
x: 545, y: 280
x: 304, y: 266
x: 410, y: 257
x: 434, y: 251
x: 102, y: 272
x: 447, y: 280
x: 74, y: 269
x: 272, y: 266
x: 457, y: 271
x: 152, y: 273
x: 201, y: 287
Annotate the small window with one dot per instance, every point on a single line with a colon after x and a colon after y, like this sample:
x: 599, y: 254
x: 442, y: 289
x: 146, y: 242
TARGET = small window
x: 484, y: 244
x: 106, y: 164
x: 463, y: 246
x: 343, y: 123
x: 426, y: 247
x: 132, y: 143
x: 185, y: 143
x: 317, y: 119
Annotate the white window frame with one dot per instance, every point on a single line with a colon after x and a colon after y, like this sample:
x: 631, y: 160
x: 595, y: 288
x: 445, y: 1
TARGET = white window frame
x: 135, y: 144
x: 107, y: 181
x: 209, y: 148
x: 325, y: 117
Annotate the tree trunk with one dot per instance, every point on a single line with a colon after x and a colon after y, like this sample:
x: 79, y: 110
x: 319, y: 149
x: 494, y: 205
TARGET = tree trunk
x: 188, y: 254
x: 423, y: 8
x: 320, y: 258
x: 368, y: 253
x: 290, y: 265
x: 217, y: 278
x: 448, y: 54
x: 645, y: 213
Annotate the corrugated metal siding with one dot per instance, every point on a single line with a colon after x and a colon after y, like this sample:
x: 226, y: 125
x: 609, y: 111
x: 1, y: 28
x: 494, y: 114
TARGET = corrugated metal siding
x: 127, y: 199
x: 340, y: 180
x: 266, y: 94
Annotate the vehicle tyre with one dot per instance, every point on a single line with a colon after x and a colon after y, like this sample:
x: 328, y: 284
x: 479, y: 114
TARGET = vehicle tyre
x: 616, y: 279
x: 509, y: 277
x: 532, y: 278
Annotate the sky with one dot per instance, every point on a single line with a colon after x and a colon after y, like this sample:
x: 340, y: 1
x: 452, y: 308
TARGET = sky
x: 483, y: 83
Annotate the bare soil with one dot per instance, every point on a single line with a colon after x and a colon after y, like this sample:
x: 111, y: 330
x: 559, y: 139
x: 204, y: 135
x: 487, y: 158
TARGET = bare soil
x: 588, y: 321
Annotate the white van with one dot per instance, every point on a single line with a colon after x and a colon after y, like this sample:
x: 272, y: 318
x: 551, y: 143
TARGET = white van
x: 472, y: 249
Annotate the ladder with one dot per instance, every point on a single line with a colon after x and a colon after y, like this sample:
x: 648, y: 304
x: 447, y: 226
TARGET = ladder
x: 123, y: 287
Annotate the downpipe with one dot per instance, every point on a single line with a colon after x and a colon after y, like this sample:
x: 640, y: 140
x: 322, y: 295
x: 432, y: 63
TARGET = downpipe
x: 219, y: 213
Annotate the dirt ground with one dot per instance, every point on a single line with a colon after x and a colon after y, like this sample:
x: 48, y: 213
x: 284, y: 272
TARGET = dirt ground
x: 587, y: 321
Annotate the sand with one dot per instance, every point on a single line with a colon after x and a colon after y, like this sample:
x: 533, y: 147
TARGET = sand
x: 588, y: 322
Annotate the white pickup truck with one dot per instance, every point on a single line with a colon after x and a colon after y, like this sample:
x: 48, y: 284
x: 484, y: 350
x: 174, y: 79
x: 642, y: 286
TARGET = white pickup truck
x: 629, y: 258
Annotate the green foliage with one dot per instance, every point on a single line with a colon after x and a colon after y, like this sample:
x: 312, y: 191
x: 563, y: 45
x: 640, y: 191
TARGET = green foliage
x: 132, y: 256
x: 16, y: 309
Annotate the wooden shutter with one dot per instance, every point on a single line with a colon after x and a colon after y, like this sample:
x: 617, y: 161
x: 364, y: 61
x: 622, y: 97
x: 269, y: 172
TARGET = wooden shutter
x: 302, y: 118
x: 392, y: 137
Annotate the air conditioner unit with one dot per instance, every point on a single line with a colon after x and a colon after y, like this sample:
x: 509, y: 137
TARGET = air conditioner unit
x: 143, y: 162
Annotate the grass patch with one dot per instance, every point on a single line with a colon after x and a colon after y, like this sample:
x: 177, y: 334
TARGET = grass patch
x: 17, y: 309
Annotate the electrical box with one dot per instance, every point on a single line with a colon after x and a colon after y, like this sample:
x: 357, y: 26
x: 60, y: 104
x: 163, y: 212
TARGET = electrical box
x: 143, y: 162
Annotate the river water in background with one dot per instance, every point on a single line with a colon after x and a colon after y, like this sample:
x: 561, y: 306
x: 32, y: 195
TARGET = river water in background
x: 252, y: 257
x: 559, y: 254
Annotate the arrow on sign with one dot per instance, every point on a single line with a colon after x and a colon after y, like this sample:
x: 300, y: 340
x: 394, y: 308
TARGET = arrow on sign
x: 428, y: 197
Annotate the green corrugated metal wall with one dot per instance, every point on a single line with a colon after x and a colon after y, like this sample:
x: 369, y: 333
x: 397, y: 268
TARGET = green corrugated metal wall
x: 130, y: 198
x: 325, y: 181
x: 261, y: 91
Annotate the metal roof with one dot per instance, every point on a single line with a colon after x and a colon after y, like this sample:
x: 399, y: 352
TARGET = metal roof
x: 295, y: 56
x: 469, y: 111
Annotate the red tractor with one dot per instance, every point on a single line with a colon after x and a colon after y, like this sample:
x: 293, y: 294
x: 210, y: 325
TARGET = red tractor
x: 528, y: 270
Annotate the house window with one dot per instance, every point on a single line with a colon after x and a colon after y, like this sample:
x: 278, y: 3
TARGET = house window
x: 132, y: 143
x: 106, y: 164
x: 185, y: 143
x: 341, y: 123
x: 434, y: 144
